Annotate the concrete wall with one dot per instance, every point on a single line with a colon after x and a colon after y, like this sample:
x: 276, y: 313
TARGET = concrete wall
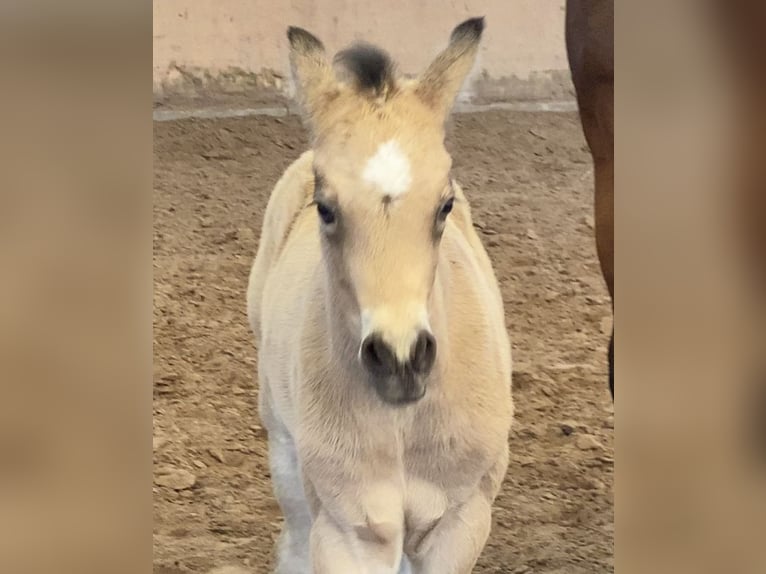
x: 213, y: 49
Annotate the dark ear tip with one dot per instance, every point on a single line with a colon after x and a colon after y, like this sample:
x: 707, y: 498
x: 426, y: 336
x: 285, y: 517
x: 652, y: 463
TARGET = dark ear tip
x: 303, y: 39
x: 470, y: 30
x: 293, y: 32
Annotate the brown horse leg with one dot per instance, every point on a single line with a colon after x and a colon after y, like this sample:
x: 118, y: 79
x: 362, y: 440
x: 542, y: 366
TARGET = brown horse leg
x: 589, y: 36
x: 611, y: 363
x: 596, y: 112
x: 604, y: 217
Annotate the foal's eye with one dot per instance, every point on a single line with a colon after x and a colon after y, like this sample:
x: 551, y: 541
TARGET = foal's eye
x: 447, y: 207
x: 326, y: 213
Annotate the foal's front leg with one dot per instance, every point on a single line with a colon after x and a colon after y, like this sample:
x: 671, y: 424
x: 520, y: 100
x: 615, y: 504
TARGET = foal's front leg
x: 454, y: 545
x: 338, y: 550
x: 364, y: 537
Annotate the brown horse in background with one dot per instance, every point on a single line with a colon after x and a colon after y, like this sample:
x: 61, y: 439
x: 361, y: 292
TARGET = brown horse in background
x: 741, y: 25
x: 590, y: 48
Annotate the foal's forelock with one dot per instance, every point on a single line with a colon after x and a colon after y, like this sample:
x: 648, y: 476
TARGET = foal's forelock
x: 369, y: 70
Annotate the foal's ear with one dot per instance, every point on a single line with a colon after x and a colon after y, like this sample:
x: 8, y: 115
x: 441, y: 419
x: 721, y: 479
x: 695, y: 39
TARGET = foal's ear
x: 440, y: 83
x: 313, y: 75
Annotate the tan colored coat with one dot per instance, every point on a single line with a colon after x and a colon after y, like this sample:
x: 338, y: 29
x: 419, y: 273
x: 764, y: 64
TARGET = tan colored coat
x: 367, y: 486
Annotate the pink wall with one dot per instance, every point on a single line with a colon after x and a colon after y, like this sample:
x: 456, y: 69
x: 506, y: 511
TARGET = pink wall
x: 240, y: 45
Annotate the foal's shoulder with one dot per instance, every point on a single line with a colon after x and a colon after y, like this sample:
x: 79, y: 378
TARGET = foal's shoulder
x: 464, y: 223
x: 462, y: 214
x: 294, y: 187
x: 291, y: 194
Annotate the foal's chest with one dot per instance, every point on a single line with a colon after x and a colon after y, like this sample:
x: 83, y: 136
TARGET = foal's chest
x: 441, y: 474
x: 450, y: 448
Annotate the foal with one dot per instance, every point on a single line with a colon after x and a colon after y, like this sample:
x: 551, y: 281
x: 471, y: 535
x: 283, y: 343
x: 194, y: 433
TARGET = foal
x: 384, y: 362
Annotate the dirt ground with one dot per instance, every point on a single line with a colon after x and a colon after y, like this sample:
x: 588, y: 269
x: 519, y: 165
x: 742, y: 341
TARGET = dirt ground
x: 529, y: 179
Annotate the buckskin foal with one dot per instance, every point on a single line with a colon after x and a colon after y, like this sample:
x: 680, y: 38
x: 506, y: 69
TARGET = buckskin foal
x: 384, y: 363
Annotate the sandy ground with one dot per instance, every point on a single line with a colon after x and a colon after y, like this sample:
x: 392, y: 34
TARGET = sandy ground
x: 529, y: 178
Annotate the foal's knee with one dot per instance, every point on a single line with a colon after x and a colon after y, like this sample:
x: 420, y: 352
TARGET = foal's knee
x: 373, y: 545
x: 382, y: 542
x: 382, y: 532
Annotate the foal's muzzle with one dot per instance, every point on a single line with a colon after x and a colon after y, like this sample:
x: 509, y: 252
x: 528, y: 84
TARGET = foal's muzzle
x: 399, y: 381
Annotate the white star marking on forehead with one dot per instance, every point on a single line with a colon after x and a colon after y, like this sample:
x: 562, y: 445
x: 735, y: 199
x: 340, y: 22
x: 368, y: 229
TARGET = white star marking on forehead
x: 388, y: 170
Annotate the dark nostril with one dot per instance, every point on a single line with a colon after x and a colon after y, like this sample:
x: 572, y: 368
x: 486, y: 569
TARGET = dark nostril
x: 423, y: 353
x: 377, y: 356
